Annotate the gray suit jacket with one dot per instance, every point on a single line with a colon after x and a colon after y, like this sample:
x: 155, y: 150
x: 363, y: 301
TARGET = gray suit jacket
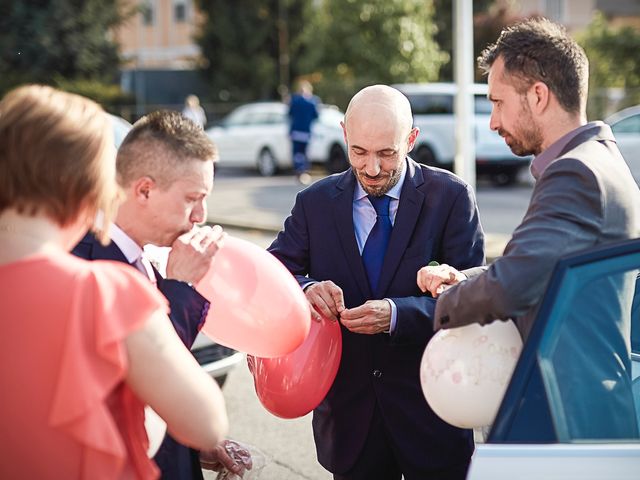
x: 587, y: 197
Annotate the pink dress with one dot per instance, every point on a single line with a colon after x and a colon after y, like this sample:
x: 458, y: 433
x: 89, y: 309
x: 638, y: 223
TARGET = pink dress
x: 65, y: 412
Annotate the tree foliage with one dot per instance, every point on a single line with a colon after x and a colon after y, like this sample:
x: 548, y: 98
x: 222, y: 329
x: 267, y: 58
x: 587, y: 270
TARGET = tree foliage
x: 613, y: 63
x: 354, y: 43
x: 489, y: 18
x: 43, y: 40
x: 243, y: 43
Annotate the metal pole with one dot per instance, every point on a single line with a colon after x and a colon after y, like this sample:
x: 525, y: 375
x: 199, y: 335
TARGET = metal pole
x: 464, y: 162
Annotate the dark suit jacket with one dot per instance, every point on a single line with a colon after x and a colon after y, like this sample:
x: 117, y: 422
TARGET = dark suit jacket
x: 188, y: 312
x: 437, y: 219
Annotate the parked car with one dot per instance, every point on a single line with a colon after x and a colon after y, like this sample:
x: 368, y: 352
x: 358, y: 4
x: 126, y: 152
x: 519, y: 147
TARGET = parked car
x: 572, y: 407
x: 217, y: 360
x: 257, y: 135
x: 432, y: 105
x: 626, y: 128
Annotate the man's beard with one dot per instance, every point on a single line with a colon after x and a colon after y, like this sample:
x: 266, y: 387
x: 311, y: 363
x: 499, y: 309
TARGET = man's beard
x: 526, y: 138
x: 379, y: 190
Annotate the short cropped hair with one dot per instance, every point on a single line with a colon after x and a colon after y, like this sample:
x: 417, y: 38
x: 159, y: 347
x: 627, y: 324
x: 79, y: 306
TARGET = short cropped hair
x: 54, y: 156
x: 158, y: 145
x: 538, y: 50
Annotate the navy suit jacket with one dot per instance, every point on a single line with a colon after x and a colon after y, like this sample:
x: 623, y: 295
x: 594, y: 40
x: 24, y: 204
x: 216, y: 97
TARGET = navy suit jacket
x: 437, y: 220
x: 188, y: 312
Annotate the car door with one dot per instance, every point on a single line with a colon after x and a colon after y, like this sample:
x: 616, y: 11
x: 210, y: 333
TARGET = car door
x: 571, y: 409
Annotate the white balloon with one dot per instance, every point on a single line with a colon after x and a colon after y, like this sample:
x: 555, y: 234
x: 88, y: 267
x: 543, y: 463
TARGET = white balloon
x: 465, y: 371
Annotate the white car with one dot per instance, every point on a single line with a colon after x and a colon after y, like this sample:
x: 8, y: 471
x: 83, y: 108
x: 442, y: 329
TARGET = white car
x: 626, y: 128
x: 572, y: 407
x: 432, y: 105
x: 256, y: 135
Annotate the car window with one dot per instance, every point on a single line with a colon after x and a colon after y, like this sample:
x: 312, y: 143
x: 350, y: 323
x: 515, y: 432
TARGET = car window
x: 573, y: 382
x: 627, y: 125
x: 237, y: 117
x: 482, y: 105
x: 584, y: 365
x: 429, y: 104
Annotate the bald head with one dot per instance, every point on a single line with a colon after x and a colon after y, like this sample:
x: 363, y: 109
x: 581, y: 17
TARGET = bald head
x: 378, y: 132
x: 380, y: 102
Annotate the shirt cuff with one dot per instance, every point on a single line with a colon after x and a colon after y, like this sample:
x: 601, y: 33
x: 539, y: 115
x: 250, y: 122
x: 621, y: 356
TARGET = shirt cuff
x: 394, y: 316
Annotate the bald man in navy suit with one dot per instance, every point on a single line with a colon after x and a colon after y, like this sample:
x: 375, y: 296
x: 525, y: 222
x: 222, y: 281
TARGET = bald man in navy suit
x: 355, y: 242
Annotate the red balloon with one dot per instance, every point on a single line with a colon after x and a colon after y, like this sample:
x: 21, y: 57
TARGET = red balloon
x: 293, y: 385
x: 257, y: 306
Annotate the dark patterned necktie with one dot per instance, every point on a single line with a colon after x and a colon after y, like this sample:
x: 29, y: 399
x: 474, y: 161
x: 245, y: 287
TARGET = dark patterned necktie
x: 375, y: 247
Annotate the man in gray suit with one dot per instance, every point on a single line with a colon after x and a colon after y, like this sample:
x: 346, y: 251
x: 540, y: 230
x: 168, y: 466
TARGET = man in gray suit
x: 584, y: 194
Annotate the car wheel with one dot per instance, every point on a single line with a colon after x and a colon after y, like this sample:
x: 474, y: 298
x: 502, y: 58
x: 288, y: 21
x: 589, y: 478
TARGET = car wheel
x: 425, y: 156
x: 267, y: 165
x: 337, y: 161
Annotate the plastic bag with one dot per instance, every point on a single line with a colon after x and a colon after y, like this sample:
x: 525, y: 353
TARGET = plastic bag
x: 258, y: 459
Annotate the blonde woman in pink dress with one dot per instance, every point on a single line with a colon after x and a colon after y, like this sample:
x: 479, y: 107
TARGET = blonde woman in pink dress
x: 84, y: 345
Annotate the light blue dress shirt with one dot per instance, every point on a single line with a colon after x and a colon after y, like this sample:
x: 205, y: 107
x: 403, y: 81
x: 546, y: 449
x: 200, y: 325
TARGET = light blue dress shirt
x: 364, y: 218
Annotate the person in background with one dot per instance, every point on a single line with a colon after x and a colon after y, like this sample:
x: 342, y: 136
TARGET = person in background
x: 303, y: 111
x: 165, y: 168
x: 355, y: 241
x: 85, y: 345
x: 193, y: 111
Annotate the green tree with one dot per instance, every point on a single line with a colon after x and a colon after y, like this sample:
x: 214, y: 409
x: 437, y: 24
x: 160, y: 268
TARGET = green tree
x: 489, y: 18
x: 353, y: 43
x: 243, y: 43
x: 613, y: 63
x: 42, y: 41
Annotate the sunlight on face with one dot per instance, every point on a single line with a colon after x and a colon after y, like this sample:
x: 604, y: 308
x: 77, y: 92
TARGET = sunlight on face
x: 511, y: 114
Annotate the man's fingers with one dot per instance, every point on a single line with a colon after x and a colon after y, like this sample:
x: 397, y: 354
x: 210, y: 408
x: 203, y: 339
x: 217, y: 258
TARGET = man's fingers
x: 338, y: 300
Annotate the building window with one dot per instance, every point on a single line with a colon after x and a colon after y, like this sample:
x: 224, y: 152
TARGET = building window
x: 555, y: 10
x: 146, y: 9
x: 180, y: 12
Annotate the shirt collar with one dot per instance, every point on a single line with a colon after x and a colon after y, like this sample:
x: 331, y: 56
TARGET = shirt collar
x: 553, y: 151
x: 125, y: 243
x: 359, y: 193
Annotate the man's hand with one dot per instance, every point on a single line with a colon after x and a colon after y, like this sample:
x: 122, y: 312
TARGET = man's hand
x: 228, y: 454
x: 374, y: 316
x: 191, y: 253
x: 326, y: 300
x: 436, y: 279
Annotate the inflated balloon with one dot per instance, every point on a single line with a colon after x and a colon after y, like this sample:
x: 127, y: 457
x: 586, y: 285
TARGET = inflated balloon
x: 256, y: 305
x: 465, y: 371
x: 292, y: 385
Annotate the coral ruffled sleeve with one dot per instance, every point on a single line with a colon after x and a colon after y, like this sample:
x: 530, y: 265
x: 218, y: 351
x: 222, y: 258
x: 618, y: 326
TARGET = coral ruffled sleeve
x: 110, y: 301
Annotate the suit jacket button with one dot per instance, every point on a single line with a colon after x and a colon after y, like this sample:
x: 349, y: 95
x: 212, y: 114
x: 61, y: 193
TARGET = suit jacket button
x: 377, y: 373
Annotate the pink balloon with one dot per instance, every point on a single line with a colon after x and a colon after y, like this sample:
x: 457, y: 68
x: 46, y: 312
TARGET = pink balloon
x: 293, y: 385
x: 257, y: 306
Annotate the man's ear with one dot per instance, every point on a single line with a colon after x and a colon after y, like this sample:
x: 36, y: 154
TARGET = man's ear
x: 413, y: 136
x: 142, y: 188
x: 538, y: 97
x: 344, y: 132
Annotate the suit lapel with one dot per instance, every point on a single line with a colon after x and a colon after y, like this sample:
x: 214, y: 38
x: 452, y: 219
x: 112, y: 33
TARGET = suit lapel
x: 109, y: 252
x: 411, y: 201
x: 343, y: 216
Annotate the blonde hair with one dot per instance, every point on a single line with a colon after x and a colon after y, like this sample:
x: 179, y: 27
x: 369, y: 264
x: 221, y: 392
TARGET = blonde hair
x: 54, y: 156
